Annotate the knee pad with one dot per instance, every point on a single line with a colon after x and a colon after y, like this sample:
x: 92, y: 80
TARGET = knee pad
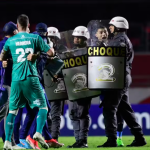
x: 44, y: 108
x: 15, y: 112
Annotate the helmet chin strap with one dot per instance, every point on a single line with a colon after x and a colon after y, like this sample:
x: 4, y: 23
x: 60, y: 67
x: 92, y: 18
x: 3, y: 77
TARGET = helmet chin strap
x: 115, y: 30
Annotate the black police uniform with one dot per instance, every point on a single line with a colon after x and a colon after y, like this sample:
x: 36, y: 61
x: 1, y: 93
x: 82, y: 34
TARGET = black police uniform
x: 56, y: 107
x: 120, y: 120
x: 119, y: 99
x: 79, y: 115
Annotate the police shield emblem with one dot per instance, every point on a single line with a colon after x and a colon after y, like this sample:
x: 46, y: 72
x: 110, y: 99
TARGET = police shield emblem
x: 106, y: 67
x: 54, y: 91
x: 75, y: 75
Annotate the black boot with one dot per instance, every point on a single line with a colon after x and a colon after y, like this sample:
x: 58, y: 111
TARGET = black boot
x: 81, y: 144
x: 75, y: 144
x: 138, y: 142
x: 109, y: 143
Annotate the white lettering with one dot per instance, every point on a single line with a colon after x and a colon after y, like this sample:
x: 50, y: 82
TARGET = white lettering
x: 68, y: 121
x: 21, y: 56
x: 90, y: 121
x: 23, y: 43
x: 124, y: 125
x: 62, y: 123
x: 141, y: 116
x: 100, y: 121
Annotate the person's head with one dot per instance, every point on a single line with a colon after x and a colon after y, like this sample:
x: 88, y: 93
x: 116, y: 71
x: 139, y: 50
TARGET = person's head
x: 118, y: 24
x: 79, y: 41
x: 80, y: 34
x: 41, y: 29
x: 53, y: 34
x: 10, y: 29
x: 23, y: 22
x: 101, y: 33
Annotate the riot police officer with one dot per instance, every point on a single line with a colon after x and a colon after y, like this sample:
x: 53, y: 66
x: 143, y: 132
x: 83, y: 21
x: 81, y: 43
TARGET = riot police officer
x: 119, y: 99
x: 80, y: 34
x: 54, y: 36
x: 101, y: 35
x: 57, y: 105
x: 79, y: 109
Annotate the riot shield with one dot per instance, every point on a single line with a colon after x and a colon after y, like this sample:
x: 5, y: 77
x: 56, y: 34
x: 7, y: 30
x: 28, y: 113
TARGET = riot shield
x: 75, y: 75
x: 54, y: 91
x: 57, y: 91
x: 67, y: 39
x: 54, y: 66
x: 106, y: 65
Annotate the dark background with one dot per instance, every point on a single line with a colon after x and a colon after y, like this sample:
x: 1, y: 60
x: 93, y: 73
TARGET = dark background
x: 69, y: 14
x: 66, y: 15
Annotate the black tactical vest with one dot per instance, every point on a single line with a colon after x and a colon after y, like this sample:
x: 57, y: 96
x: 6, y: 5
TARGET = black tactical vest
x: 121, y: 40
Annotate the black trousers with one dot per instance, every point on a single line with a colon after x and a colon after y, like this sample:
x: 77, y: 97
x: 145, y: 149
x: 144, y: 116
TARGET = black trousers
x: 55, y: 118
x: 118, y: 100
x: 79, y: 115
x: 120, y: 122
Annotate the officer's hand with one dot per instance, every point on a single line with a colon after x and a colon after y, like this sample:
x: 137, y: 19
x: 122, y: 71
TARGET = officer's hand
x: 55, y: 76
x: 69, y: 54
x: 54, y: 79
x: 52, y: 58
x: 4, y: 63
x: 32, y: 57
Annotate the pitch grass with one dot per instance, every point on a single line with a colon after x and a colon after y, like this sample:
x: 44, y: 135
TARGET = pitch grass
x: 93, y: 141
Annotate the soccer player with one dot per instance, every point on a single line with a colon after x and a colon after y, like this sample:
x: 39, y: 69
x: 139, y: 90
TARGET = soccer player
x: 9, y: 29
x: 41, y: 29
x: 25, y: 83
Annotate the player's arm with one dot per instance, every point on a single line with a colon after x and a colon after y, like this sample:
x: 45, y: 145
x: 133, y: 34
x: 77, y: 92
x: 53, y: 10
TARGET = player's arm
x: 43, y: 47
x: 5, y: 51
x: 33, y: 57
x: 3, y: 55
x: 51, y: 52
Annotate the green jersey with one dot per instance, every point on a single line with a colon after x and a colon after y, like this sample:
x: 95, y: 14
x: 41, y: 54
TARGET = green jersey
x: 20, y: 45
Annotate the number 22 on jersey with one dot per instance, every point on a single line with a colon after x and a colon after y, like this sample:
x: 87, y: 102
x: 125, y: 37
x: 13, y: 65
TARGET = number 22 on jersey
x: 23, y: 52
